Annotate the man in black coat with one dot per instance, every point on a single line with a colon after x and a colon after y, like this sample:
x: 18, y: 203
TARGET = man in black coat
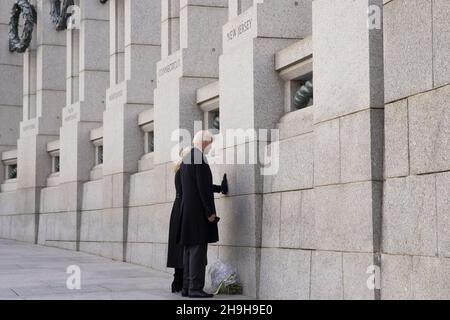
x: 198, y: 225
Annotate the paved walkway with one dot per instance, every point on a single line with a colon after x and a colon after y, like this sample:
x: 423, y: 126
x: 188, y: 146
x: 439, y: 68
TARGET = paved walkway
x: 35, y: 272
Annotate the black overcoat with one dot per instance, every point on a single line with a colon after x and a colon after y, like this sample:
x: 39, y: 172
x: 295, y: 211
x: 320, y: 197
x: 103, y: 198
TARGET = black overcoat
x: 197, y: 201
x: 175, y: 250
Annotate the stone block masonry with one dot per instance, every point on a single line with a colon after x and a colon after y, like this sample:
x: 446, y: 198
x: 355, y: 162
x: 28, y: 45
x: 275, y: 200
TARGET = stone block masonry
x: 358, y: 206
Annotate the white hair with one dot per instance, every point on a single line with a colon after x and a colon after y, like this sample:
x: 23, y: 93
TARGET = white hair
x: 200, y: 137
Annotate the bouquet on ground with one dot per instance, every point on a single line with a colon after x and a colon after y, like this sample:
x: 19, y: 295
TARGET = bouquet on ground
x: 225, y: 279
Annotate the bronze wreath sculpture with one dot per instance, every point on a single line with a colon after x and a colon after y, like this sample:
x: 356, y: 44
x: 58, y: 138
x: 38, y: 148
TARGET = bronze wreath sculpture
x: 59, y: 13
x: 304, y: 95
x: 28, y: 11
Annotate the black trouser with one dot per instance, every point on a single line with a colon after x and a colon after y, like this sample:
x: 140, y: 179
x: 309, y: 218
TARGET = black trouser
x: 178, y: 277
x: 194, y: 260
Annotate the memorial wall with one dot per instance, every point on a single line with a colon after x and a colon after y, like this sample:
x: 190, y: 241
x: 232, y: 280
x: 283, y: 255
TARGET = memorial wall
x: 332, y: 123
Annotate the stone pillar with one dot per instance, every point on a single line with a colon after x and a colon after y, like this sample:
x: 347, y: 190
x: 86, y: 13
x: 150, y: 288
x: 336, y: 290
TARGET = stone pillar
x: 41, y: 122
x: 348, y: 148
x: 252, y: 98
x: 191, y: 45
x: 182, y: 72
x: 135, y: 48
x: 87, y: 77
x: 11, y: 88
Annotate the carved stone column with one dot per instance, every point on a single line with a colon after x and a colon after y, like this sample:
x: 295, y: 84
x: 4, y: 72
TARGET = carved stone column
x: 41, y: 122
x: 181, y: 72
x: 348, y: 148
x: 252, y: 98
x: 134, y: 48
x: 87, y: 78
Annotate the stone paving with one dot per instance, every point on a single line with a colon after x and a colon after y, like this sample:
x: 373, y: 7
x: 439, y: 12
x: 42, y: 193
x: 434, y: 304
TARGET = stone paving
x: 39, y: 273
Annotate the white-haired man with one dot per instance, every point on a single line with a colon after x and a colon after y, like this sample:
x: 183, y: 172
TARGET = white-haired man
x: 198, y: 225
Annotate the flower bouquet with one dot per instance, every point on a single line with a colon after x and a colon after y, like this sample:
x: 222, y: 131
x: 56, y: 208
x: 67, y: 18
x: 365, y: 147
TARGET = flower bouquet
x: 224, y: 279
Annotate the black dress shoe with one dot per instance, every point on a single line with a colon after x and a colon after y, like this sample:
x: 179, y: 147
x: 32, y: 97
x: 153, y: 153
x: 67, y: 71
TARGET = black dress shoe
x: 199, y: 294
x: 185, y: 293
x: 176, y: 287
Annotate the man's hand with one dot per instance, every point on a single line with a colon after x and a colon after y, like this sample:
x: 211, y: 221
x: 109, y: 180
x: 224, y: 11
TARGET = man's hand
x: 212, y: 218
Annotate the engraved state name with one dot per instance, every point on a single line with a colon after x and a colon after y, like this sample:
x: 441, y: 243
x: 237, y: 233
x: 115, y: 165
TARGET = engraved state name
x: 116, y: 95
x: 242, y: 28
x: 168, y: 68
x: 71, y: 117
x: 28, y: 127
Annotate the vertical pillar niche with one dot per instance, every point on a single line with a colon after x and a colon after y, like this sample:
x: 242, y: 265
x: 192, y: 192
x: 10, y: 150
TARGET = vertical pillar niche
x: 236, y: 7
x: 30, y: 80
x: 348, y: 147
x: 87, y: 78
x: 252, y: 98
x: 11, y: 72
x: 189, y: 62
x: 170, y: 27
x: 44, y: 82
x: 135, y: 47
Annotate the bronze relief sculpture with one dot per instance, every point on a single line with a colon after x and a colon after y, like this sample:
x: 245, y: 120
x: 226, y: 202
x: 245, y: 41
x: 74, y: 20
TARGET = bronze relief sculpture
x: 59, y: 13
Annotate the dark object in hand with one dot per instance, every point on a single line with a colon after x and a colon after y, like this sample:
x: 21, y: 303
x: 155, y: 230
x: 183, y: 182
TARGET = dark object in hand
x: 224, y: 184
